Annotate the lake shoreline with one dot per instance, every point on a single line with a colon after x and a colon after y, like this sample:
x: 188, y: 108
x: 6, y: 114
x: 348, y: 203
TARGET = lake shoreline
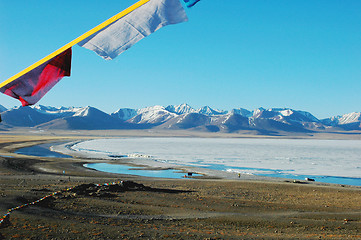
x: 212, y: 170
x: 151, y: 164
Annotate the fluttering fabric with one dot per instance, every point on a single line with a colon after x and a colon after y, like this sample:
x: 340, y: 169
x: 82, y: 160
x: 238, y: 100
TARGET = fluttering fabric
x: 125, y: 32
x: 116, y: 35
x: 33, y: 85
x: 191, y: 3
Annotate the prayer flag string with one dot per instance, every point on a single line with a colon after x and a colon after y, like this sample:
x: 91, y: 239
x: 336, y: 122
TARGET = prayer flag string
x: 7, y: 214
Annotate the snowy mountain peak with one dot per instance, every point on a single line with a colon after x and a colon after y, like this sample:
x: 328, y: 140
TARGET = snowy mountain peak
x: 180, y: 109
x: 125, y: 113
x: 284, y: 114
x: 241, y: 111
x: 152, y: 115
x: 153, y: 108
x: 61, y: 111
x: 42, y: 108
x: 92, y: 113
x: 83, y: 112
x: 258, y: 111
x: 344, y: 119
x: 206, y: 110
x: 282, y: 111
x: 350, y: 118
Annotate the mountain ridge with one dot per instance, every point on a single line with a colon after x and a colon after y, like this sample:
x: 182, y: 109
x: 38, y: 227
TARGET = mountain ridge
x: 177, y: 117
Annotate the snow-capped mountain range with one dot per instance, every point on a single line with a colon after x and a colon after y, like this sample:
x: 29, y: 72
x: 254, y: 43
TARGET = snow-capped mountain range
x: 177, y: 117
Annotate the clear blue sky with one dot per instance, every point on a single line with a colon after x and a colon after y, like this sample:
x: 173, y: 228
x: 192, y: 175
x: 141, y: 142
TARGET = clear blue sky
x: 301, y: 54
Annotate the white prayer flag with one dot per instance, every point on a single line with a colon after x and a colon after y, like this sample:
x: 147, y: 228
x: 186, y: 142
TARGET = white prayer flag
x: 117, y: 37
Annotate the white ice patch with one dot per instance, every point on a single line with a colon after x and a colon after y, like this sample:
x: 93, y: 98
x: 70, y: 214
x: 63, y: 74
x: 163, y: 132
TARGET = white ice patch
x: 248, y: 171
x: 301, y: 157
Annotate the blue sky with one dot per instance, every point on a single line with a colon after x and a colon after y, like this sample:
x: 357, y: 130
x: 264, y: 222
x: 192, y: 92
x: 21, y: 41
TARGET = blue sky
x: 301, y: 54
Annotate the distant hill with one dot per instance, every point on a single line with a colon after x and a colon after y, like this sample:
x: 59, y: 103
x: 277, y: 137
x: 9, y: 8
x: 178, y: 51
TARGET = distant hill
x: 87, y: 118
x: 177, y: 117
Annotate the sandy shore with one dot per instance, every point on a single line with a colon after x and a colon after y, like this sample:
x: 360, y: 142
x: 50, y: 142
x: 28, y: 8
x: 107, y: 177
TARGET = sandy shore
x: 208, y: 208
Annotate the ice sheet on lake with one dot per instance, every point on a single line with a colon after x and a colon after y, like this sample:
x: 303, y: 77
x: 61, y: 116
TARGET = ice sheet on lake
x: 303, y: 157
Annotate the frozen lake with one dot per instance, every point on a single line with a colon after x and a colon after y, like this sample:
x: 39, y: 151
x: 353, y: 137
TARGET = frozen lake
x: 335, y: 161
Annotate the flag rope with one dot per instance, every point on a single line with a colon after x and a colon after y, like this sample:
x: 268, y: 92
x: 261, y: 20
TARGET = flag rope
x: 77, y: 40
x: 6, y: 216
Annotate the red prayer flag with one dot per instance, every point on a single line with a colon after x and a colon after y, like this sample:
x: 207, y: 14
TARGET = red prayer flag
x: 32, y: 86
